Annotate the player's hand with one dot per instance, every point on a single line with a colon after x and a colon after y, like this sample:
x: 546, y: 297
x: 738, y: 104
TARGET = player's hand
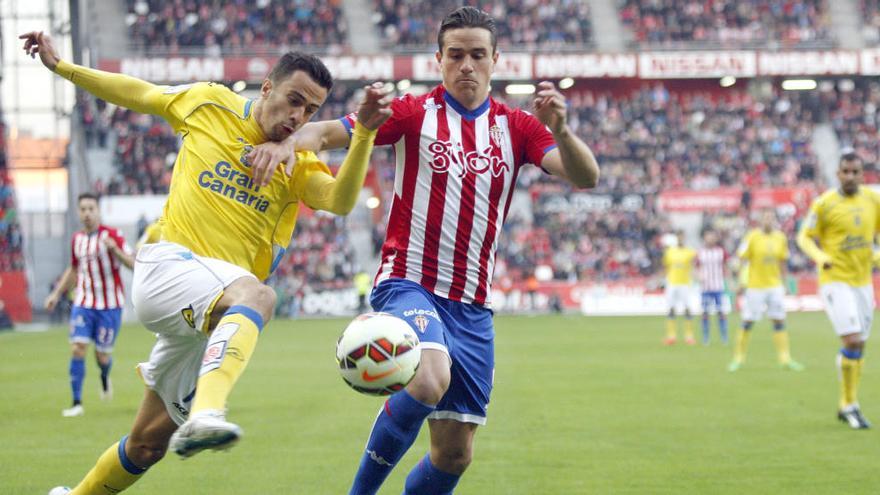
x: 39, y: 43
x: 550, y: 107
x: 50, y: 302
x: 266, y: 157
x: 375, y: 108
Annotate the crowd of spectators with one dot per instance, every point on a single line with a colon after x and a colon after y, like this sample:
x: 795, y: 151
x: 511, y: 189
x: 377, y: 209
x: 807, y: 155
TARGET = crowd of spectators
x: 871, y: 21
x: 727, y: 22
x: 240, y: 27
x: 320, y: 257
x: 527, y: 24
x: 11, y: 252
x: 855, y: 116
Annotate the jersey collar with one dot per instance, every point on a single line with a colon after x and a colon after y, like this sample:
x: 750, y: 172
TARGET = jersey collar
x: 461, y: 110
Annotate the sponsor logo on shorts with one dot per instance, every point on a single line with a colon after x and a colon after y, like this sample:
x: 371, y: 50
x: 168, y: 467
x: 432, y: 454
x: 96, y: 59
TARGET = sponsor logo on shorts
x: 182, y: 410
x: 189, y: 316
x: 424, y: 312
x: 421, y: 323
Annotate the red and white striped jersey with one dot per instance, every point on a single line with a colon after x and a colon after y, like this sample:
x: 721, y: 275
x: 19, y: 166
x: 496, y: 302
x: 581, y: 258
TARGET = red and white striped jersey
x: 98, y: 284
x: 710, y: 262
x: 455, y: 176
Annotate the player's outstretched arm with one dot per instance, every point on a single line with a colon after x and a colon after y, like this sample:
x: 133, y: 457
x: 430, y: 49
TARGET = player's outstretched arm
x: 118, y: 89
x: 572, y: 159
x: 338, y: 195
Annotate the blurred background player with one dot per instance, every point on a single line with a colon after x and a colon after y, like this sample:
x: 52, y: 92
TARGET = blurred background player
x: 764, y: 253
x: 846, y: 221
x: 678, y: 260
x: 712, y: 262
x: 459, y: 152
x: 222, y: 233
x: 96, y: 254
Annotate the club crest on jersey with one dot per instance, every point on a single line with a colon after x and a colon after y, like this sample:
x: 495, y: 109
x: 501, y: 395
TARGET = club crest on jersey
x: 421, y: 322
x: 189, y: 316
x: 446, y: 155
x: 245, y: 152
x: 432, y: 106
x: 496, y: 133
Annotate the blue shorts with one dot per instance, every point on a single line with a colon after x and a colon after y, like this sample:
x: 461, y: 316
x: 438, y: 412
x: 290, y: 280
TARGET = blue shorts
x: 464, y: 331
x: 100, y: 326
x: 713, y: 297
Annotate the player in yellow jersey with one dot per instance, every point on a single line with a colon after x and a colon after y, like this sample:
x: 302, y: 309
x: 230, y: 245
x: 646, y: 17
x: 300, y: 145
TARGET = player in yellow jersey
x: 679, y: 263
x: 764, y: 253
x: 846, y: 221
x: 200, y: 288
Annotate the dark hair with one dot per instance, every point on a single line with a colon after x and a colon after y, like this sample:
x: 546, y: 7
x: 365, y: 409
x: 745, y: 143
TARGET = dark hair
x: 87, y: 195
x: 849, y: 155
x: 291, y: 62
x: 468, y: 17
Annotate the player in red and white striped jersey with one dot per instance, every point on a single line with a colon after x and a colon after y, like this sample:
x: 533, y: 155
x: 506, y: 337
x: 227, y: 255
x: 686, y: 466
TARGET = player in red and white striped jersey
x: 711, y: 263
x: 96, y: 254
x: 458, y: 156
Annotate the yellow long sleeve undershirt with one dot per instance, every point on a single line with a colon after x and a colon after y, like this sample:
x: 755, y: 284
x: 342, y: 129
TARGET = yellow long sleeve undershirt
x: 339, y: 195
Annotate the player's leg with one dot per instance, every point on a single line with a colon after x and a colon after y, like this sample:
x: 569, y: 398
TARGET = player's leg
x: 81, y: 334
x: 847, y: 319
x: 123, y: 463
x: 776, y: 312
x: 689, y: 327
x: 451, y: 453
x: 722, y: 305
x: 464, y: 406
x: 751, y: 312
x: 399, y: 420
x: 705, y: 301
x: 237, y: 320
x: 671, y: 303
x: 108, y: 330
x: 236, y: 323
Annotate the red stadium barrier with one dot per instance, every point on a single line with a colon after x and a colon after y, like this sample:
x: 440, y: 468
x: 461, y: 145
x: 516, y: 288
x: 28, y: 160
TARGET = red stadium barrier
x: 14, y: 294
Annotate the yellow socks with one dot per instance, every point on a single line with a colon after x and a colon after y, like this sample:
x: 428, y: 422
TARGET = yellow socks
x: 850, y: 364
x: 780, y: 341
x: 229, y: 348
x: 742, y: 345
x: 112, y: 473
x: 688, y: 329
x: 670, y: 329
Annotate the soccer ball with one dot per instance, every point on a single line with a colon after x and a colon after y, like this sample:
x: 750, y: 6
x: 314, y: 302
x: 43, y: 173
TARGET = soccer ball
x: 378, y: 354
x: 59, y: 490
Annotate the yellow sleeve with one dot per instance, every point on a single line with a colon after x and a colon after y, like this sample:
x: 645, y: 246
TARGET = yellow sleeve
x: 745, y: 247
x: 130, y: 92
x: 784, y: 243
x: 339, y: 195
x: 666, y: 257
x: 808, y: 231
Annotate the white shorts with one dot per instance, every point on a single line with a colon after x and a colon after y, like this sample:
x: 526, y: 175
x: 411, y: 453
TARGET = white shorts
x: 850, y: 309
x: 759, y: 301
x: 173, y: 293
x: 678, y: 298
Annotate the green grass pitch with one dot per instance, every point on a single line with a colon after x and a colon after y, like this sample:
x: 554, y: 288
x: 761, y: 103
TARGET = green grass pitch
x: 581, y: 406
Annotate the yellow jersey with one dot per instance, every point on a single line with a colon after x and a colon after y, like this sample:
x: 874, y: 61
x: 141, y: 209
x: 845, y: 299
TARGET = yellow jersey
x: 845, y: 227
x: 679, y: 263
x: 763, y: 252
x: 152, y: 234
x: 214, y: 207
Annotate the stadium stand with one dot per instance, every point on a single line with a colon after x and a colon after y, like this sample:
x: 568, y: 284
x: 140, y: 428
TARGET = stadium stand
x: 528, y: 24
x: 854, y: 115
x: 727, y: 22
x: 245, y: 27
x: 871, y: 18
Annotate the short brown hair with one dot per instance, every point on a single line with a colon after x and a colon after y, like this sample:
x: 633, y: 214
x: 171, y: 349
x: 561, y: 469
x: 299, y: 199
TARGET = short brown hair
x: 468, y: 17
